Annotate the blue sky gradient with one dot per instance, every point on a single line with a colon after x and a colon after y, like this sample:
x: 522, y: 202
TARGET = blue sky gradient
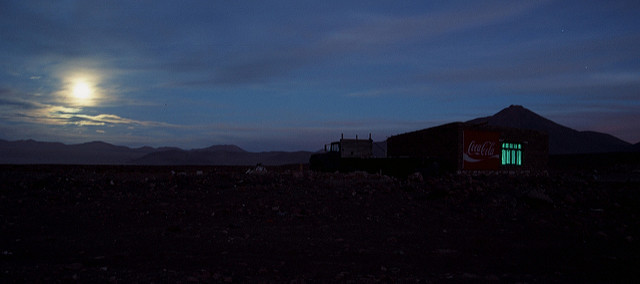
x: 293, y: 75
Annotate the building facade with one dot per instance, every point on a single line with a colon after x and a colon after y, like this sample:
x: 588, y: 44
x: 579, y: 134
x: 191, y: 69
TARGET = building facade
x: 474, y: 147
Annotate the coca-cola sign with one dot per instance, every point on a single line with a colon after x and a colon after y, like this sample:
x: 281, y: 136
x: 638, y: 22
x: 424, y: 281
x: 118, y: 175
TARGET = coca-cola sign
x: 481, y: 150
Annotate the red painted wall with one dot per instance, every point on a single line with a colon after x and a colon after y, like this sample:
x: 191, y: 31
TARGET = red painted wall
x: 481, y: 150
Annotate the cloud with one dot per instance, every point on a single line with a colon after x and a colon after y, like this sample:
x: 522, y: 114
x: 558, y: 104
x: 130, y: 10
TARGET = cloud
x: 258, y: 67
x: 536, y: 59
x: 357, y: 34
x: 109, y: 119
x: 211, y: 48
x: 380, y: 29
x: 22, y: 118
x: 584, y: 70
x: 10, y: 98
x: 15, y: 108
x: 411, y: 90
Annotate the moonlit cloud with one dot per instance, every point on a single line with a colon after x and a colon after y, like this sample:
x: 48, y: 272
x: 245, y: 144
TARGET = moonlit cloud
x: 19, y: 110
x: 381, y: 29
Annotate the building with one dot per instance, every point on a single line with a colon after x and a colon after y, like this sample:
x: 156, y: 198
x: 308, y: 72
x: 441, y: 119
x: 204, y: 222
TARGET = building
x: 474, y: 147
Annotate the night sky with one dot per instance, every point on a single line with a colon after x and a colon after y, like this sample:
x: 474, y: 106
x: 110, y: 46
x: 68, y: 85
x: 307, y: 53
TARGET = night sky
x: 294, y: 75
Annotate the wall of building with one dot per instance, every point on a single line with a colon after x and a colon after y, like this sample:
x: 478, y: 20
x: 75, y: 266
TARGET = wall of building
x: 535, y: 146
x: 444, y: 144
x: 440, y: 144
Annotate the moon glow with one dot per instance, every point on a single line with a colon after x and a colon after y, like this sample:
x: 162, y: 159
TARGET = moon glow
x: 81, y: 91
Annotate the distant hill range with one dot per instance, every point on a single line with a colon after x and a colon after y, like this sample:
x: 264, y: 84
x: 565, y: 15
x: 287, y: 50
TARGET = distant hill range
x: 100, y: 153
x: 222, y: 155
x: 562, y: 140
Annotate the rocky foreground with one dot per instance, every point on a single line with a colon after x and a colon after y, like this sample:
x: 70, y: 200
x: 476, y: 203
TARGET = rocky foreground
x: 278, y: 224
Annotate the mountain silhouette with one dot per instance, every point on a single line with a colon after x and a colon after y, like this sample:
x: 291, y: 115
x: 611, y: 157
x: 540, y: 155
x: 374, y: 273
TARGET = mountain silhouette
x: 223, y: 148
x: 562, y: 139
x: 101, y: 153
x: 222, y: 155
x: 35, y: 152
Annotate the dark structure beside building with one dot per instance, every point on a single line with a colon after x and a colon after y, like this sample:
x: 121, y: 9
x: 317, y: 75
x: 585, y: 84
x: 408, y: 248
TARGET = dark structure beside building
x: 352, y: 148
x: 343, y: 155
x: 463, y: 147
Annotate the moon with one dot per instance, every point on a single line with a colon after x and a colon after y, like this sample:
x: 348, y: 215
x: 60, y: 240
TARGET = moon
x: 81, y: 91
x: 81, y: 88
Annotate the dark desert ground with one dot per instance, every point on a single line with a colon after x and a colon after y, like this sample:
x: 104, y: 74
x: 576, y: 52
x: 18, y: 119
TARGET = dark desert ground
x: 190, y: 224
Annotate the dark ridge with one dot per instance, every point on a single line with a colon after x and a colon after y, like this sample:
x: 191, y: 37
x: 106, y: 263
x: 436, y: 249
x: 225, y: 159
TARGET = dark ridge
x: 562, y: 139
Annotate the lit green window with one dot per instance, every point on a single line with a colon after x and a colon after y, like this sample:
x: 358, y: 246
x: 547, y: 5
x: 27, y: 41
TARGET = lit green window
x: 512, y: 154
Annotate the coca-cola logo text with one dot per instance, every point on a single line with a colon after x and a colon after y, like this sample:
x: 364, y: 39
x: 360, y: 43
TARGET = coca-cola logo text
x: 485, y: 149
